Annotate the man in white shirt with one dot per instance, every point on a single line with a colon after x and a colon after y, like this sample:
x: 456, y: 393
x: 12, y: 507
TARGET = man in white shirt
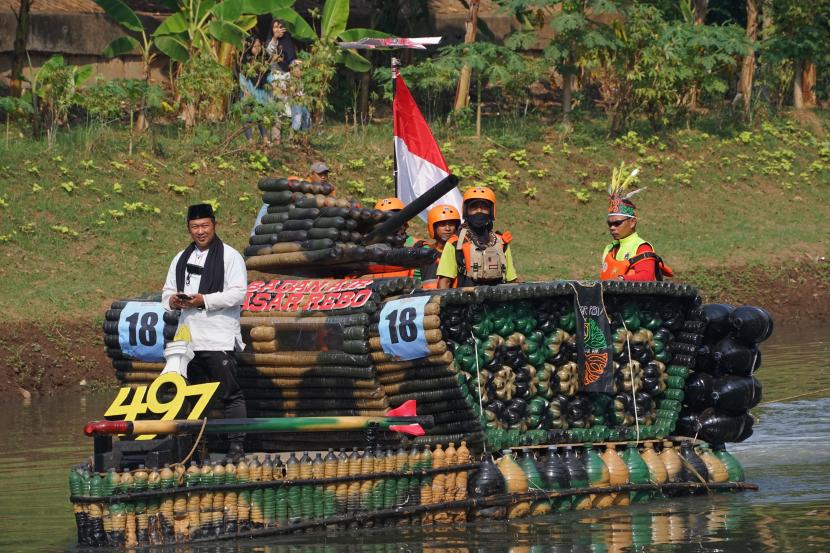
x: 208, y: 281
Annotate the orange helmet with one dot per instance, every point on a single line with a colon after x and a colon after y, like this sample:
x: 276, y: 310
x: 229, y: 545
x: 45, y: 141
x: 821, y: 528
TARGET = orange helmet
x: 481, y: 193
x: 389, y: 204
x: 439, y: 213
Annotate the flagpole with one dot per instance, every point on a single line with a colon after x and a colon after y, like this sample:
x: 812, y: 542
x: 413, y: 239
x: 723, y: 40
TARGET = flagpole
x: 396, y: 63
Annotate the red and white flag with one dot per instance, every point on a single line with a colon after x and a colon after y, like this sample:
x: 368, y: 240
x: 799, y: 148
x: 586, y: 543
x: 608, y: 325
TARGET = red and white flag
x: 419, y: 161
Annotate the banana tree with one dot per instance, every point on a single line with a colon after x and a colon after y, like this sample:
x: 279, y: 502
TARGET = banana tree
x: 325, y: 54
x: 122, y: 14
x: 198, y: 24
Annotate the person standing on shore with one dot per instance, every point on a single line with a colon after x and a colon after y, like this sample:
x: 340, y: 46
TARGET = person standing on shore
x: 208, y: 281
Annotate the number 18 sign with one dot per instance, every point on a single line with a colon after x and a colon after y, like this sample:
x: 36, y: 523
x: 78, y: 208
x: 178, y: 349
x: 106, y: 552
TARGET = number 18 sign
x: 141, y: 330
x: 401, y: 328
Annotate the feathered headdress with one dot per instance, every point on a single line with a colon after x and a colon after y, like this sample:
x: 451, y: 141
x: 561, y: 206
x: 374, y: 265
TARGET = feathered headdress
x: 619, y: 201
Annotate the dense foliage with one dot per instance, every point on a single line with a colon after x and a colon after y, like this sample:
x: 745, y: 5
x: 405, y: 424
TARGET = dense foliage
x: 660, y: 61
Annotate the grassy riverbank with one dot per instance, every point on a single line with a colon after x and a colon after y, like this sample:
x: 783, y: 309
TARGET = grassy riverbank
x: 741, y: 213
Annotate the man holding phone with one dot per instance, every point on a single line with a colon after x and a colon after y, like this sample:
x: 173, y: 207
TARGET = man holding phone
x: 208, y: 281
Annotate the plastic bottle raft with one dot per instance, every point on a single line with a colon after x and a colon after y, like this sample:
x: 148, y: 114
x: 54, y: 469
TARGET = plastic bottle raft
x: 498, y: 368
x: 499, y: 364
x: 267, y: 494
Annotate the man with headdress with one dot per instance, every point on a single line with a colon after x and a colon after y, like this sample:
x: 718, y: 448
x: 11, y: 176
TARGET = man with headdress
x: 208, y: 281
x: 628, y: 257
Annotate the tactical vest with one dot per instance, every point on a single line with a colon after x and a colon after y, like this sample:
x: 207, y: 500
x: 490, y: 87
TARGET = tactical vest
x: 480, y: 265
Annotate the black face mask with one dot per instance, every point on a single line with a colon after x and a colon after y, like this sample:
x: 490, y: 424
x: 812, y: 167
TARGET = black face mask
x: 479, y: 220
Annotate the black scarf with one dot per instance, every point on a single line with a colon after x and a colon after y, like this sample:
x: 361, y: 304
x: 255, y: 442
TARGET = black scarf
x: 213, y: 274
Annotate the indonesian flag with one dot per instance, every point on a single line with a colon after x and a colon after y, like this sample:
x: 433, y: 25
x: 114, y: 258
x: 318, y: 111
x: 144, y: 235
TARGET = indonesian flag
x: 419, y: 160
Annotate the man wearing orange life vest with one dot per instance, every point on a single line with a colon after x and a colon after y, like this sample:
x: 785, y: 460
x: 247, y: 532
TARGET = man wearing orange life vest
x: 477, y: 255
x: 628, y: 257
x: 442, y: 224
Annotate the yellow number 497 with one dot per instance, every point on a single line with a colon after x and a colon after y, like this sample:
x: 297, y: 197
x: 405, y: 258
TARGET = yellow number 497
x: 121, y: 410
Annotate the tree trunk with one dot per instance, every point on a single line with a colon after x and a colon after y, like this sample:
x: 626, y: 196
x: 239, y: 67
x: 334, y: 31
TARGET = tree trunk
x: 748, y: 67
x: 798, y: 96
x: 808, y: 83
x: 766, y: 19
x: 701, y: 7
x: 478, y: 108
x: 462, y: 93
x: 567, y: 95
x: 363, y: 96
x: 21, y: 37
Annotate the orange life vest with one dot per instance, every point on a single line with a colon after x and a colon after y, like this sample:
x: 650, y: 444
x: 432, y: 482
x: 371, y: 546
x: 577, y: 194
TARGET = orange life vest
x: 613, y: 268
x: 388, y: 271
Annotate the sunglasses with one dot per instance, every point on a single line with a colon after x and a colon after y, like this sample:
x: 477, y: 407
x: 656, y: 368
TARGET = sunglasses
x: 615, y: 224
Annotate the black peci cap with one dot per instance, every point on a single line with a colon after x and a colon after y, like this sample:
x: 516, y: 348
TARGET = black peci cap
x: 200, y: 211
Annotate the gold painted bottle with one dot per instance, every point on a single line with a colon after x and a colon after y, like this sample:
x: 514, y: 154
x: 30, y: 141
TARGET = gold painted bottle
x: 516, y: 481
x: 318, y: 471
x: 464, y: 458
x: 617, y: 474
x: 439, y: 461
x: 192, y: 479
x: 330, y: 471
x: 714, y: 466
x: 426, y: 485
x: 672, y: 462
x: 656, y: 469
x: 342, y: 489
x: 206, y: 501
x: 243, y: 476
x: 353, y: 489
x: 231, y: 500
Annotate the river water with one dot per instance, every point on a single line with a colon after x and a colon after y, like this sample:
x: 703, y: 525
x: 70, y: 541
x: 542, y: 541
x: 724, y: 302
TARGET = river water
x: 788, y: 457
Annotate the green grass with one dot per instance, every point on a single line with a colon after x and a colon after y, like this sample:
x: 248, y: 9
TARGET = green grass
x: 81, y: 224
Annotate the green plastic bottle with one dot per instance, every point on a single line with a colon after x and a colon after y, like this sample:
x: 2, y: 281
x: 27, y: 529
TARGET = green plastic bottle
x: 110, y: 480
x: 292, y: 467
x: 733, y: 467
x: 75, y: 481
x: 637, y: 473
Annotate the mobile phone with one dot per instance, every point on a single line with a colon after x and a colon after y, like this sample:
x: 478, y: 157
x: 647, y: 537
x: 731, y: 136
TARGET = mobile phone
x: 183, y: 297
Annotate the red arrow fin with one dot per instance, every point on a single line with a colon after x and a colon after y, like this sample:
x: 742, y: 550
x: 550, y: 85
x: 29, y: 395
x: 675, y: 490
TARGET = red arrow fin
x: 406, y: 409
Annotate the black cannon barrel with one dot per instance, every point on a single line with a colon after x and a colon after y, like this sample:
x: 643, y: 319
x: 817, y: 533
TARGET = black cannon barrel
x: 421, y: 203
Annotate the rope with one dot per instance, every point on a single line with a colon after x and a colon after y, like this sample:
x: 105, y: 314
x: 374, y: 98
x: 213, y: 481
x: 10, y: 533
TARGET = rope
x: 478, y: 384
x: 195, y: 444
x: 795, y: 396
